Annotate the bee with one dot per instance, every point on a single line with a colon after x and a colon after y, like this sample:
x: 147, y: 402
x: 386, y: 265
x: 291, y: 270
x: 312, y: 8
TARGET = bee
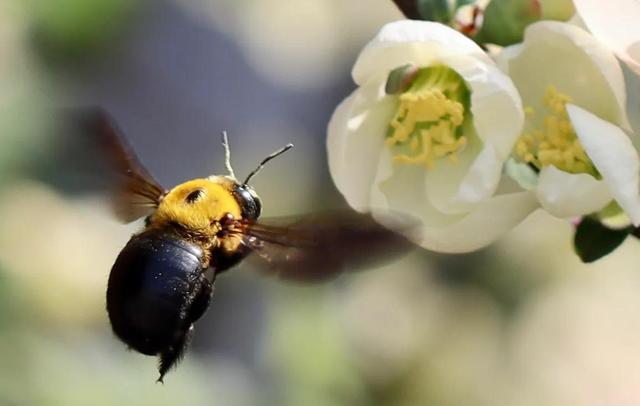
x: 162, y: 281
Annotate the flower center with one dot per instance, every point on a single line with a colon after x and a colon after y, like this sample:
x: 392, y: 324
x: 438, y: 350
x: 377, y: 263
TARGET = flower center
x: 556, y: 143
x: 429, y: 120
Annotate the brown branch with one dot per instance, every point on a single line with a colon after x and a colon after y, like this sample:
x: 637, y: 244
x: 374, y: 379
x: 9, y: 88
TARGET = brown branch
x: 409, y: 8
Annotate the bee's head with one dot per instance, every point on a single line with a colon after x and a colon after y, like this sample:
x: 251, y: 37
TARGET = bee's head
x: 246, y: 197
x: 199, y: 203
x: 249, y: 201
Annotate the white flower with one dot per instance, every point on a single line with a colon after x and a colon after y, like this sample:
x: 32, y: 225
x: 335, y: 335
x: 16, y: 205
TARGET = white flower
x: 615, y: 23
x: 435, y: 150
x: 574, y: 95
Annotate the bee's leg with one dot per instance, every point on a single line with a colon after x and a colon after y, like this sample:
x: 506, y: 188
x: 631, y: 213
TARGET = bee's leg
x: 174, y: 353
x: 201, y: 297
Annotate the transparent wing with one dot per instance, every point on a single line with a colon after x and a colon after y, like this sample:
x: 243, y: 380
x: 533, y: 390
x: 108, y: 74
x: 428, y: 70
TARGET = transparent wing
x: 135, y: 192
x: 319, y: 246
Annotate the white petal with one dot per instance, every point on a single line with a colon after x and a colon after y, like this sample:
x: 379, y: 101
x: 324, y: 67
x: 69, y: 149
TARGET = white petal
x: 495, y: 103
x: 573, y: 61
x: 399, y: 188
x: 497, y: 120
x: 567, y: 195
x: 633, y: 105
x: 336, y: 137
x: 407, y: 41
x: 506, y: 55
x: 458, y: 188
x: 476, y: 230
x: 483, y: 177
x: 356, y: 137
x: 615, y: 24
x: 484, y: 225
x: 613, y: 154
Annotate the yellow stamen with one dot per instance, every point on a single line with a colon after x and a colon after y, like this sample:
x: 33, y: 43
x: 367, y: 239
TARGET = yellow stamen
x: 528, y: 111
x: 429, y: 114
x: 556, y: 143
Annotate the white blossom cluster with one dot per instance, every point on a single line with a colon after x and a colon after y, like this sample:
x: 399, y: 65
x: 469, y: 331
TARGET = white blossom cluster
x: 471, y: 143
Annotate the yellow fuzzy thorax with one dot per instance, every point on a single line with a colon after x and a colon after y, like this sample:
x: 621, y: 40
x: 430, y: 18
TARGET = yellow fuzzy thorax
x: 200, y: 216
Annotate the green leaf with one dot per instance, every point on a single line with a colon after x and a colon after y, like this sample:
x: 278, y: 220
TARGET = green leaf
x: 593, y: 240
x: 442, y: 11
x: 430, y: 10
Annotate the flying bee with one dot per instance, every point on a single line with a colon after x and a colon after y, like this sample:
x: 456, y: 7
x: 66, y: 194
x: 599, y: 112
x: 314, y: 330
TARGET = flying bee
x: 162, y: 281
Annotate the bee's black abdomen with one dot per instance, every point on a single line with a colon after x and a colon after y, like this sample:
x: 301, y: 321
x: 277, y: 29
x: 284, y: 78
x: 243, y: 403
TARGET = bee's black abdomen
x: 152, y: 289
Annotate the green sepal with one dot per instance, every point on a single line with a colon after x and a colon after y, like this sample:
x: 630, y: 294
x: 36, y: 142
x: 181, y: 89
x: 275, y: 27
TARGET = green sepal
x: 559, y: 10
x: 522, y: 173
x: 505, y: 21
x: 441, y: 11
x: 593, y: 240
x: 400, y: 78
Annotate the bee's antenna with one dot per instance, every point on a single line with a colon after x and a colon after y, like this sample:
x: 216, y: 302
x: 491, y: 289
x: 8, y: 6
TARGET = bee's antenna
x: 267, y: 159
x: 227, y: 154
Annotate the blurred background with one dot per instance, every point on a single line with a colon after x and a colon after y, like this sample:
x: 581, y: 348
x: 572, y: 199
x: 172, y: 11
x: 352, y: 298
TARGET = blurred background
x: 520, y: 323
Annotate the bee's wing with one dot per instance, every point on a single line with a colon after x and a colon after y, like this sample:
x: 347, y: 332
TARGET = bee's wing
x: 136, y: 192
x: 317, y: 247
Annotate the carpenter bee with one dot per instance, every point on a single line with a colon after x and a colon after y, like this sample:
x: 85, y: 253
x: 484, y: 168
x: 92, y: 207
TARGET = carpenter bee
x: 162, y: 280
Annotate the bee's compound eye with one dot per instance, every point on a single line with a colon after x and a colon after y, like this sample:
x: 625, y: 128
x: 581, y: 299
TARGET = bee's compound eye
x: 249, y: 201
x: 257, y: 202
x: 194, y: 196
